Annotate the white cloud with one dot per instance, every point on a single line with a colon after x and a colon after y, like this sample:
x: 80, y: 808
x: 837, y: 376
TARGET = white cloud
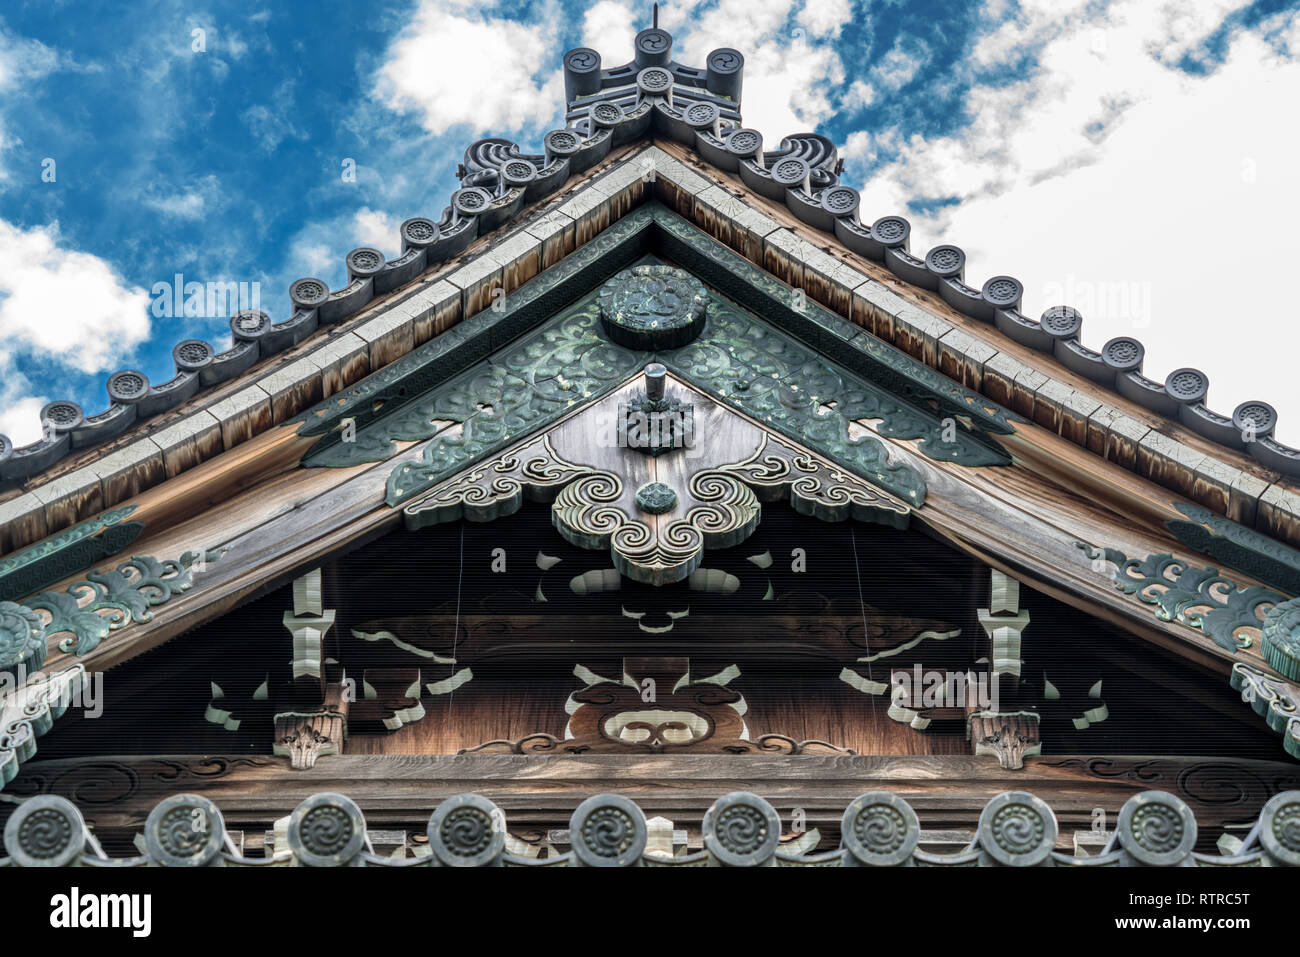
x: 1162, y: 203
x: 456, y: 64
x: 22, y: 61
x: 271, y: 123
x: 608, y: 27
x: 69, y: 306
x: 860, y: 95
x: 786, y: 76
x: 376, y: 229
x: 900, y: 65
x: 201, y: 198
x: 825, y: 18
x: 20, y: 414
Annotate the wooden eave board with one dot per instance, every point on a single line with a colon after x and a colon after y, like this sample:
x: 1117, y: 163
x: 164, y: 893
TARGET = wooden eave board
x: 26, y: 521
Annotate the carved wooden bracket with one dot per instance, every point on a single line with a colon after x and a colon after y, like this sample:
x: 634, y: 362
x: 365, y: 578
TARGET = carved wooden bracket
x: 1007, y: 736
x: 305, y: 737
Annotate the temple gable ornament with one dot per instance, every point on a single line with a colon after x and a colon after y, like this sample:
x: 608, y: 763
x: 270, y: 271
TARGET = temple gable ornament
x: 655, y: 514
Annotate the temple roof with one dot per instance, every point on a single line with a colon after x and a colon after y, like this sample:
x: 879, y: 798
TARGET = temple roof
x: 653, y: 96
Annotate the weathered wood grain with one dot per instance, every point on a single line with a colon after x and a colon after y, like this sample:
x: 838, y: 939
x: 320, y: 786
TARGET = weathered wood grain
x: 946, y: 790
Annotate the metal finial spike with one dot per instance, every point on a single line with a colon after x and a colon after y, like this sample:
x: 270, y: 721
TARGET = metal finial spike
x: 656, y: 16
x: 655, y: 376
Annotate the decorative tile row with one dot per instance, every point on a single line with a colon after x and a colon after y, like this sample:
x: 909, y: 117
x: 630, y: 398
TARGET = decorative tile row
x: 879, y: 829
x: 606, y: 108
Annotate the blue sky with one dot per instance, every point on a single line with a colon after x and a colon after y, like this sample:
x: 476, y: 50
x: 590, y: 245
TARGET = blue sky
x: 1133, y: 159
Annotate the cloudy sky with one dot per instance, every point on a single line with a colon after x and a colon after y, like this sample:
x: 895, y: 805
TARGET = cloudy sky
x: 1132, y: 158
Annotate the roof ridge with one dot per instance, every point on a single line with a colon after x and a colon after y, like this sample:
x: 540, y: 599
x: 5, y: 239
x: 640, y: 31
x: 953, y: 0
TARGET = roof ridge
x: 699, y: 108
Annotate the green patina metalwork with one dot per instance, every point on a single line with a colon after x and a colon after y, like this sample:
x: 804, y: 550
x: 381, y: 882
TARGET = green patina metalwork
x: 87, y: 610
x: 67, y: 553
x: 653, y: 307
x: 1199, y: 597
x: 381, y: 395
x: 498, y: 386
x: 739, y: 359
x: 831, y: 335
x: 1245, y: 549
x: 655, y: 498
x: 22, y: 639
x: 1280, y: 638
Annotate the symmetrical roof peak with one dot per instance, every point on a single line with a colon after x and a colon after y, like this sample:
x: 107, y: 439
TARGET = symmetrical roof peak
x: 652, y: 95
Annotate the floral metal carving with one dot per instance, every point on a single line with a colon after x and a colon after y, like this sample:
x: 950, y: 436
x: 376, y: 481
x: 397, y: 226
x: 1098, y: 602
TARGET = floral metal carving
x: 30, y: 710
x: 590, y: 509
x: 738, y: 360
x: 104, y: 601
x: 67, y: 553
x: 1198, y: 597
x: 1277, y: 701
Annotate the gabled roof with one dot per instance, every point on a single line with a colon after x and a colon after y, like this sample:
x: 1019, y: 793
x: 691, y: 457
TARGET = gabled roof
x: 850, y: 297
x: 258, y: 518
x: 653, y: 95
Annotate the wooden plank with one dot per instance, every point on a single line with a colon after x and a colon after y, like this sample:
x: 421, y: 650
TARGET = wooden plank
x: 946, y: 790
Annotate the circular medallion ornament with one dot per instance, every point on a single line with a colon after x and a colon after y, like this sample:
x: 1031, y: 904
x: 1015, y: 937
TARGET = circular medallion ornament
x: 561, y: 142
x: 744, y: 142
x: 583, y: 60
x: 1279, y: 828
x: 518, y: 172
x: 701, y: 116
x: 191, y: 355
x: 791, y: 171
x: 891, y: 230
x: 946, y: 261
x: 653, y: 45
x: 726, y: 60
x: 127, y: 387
x: 880, y: 829
x: 741, y: 830
x: 467, y: 830
x: 1002, y: 292
x: 249, y: 325
x: 45, y: 831
x: 364, y: 262
x: 327, y: 830
x: 471, y: 200
x: 185, y: 830
x: 22, y: 639
x: 1254, y: 419
x: 608, y: 831
x: 606, y: 115
x: 653, y: 307
x: 309, y: 293
x: 656, y: 498
x: 1062, y: 322
x: 62, y: 416
x: 1280, y: 640
x: 654, y: 81
x: 1188, y: 385
x: 1156, y: 828
x: 1017, y: 829
x: 840, y: 200
x: 419, y: 232
x: 1123, y: 354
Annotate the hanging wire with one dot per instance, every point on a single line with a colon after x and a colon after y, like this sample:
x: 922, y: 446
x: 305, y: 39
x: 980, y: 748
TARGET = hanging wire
x: 455, y: 630
x: 862, y: 605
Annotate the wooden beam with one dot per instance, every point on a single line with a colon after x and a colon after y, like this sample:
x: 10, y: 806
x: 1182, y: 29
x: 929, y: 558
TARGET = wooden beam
x: 945, y: 790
